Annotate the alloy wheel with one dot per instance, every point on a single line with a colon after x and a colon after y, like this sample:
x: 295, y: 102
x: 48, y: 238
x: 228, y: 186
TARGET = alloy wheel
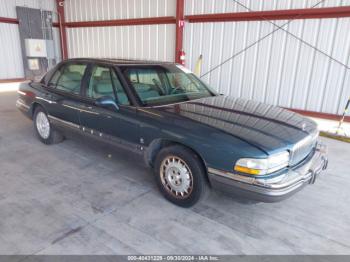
x: 176, y: 177
x: 43, y: 125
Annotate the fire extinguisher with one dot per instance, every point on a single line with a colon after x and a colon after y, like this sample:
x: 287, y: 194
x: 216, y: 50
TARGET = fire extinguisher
x: 182, y: 57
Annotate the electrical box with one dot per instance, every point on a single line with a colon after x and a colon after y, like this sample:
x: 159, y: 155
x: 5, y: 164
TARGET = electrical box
x: 33, y: 64
x: 35, y: 47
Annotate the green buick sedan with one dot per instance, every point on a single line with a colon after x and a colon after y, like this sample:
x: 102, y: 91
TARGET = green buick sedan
x: 194, y: 139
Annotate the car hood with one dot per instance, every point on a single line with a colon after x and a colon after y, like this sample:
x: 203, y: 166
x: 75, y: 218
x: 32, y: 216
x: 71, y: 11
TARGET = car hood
x: 267, y: 127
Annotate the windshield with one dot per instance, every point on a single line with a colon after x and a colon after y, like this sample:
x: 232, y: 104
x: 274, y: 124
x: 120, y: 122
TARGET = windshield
x: 160, y: 85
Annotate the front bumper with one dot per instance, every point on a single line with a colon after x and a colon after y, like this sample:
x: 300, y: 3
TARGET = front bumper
x: 275, y: 188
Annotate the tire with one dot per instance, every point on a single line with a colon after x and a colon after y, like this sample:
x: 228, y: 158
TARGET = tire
x: 181, y: 176
x: 44, y: 130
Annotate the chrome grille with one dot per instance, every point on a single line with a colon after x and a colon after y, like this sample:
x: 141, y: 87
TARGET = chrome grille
x: 303, y: 148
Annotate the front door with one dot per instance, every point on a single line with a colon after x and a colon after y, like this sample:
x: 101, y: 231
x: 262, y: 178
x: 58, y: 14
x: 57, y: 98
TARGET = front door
x: 116, y: 125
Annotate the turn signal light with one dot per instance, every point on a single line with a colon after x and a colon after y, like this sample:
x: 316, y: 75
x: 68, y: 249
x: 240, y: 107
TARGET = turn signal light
x: 247, y: 170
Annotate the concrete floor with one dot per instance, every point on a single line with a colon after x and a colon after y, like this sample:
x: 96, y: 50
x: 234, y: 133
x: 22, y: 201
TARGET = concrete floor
x: 72, y: 198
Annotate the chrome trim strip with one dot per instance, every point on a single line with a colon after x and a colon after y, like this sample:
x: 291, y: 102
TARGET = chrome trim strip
x: 148, y: 112
x: 64, y: 122
x: 21, y: 92
x: 230, y: 175
x: 263, y: 183
x: 46, y: 100
x: 19, y: 103
x: 80, y: 109
x: 89, y: 112
x: 72, y: 107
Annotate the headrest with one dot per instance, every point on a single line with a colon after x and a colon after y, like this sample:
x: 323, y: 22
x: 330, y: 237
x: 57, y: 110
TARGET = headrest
x: 141, y: 87
x: 74, y: 76
x: 101, y: 88
x: 105, y: 75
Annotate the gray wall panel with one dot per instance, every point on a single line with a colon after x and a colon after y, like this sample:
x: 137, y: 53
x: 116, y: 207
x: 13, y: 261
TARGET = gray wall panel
x: 226, y: 6
x: 92, y: 10
x: 10, y: 52
x: 8, y: 7
x: 11, y: 65
x: 149, y: 42
x: 280, y: 69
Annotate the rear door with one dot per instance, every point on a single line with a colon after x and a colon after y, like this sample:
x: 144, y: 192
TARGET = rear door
x: 65, y: 101
x: 110, y: 124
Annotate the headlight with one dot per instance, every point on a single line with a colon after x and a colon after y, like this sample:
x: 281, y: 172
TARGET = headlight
x: 262, y: 166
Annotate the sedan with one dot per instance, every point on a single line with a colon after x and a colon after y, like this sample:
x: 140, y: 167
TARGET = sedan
x: 192, y: 137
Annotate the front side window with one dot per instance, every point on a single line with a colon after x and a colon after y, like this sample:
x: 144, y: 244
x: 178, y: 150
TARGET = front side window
x: 68, y: 78
x: 104, y: 82
x: 158, y: 85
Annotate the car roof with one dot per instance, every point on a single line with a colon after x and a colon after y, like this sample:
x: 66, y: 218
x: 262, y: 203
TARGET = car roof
x: 116, y: 61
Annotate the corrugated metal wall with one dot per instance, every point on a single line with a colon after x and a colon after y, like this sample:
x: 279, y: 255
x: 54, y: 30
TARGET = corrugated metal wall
x: 95, y: 10
x: 149, y: 42
x: 10, y: 50
x: 8, y: 7
x: 228, y: 6
x: 280, y: 69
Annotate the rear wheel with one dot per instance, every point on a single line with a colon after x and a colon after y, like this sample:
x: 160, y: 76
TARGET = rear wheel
x: 180, y: 176
x: 44, y: 129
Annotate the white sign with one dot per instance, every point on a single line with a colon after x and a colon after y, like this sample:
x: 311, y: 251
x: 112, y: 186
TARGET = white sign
x: 36, y: 47
x: 33, y: 64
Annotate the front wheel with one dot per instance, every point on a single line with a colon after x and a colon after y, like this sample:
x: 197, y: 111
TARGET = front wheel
x: 43, y: 128
x: 181, y: 176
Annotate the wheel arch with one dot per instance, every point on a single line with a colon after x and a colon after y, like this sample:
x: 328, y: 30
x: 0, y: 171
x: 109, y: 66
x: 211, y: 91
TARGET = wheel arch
x: 160, y: 143
x: 34, y: 106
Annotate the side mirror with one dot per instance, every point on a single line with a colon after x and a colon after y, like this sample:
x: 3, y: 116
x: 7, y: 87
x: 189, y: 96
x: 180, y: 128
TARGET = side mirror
x: 107, y: 102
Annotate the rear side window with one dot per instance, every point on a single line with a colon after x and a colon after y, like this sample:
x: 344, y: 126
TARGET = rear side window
x: 69, y: 78
x: 55, y: 78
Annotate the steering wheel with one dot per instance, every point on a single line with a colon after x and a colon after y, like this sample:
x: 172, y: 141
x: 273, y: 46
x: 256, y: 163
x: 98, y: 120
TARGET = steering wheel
x: 159, y: 89
x: 176, y: 89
